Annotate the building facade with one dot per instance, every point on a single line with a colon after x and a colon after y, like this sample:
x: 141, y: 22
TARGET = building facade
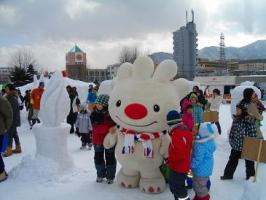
x: 4, y: 75
x: 98, y: 75
x: 185, y: 49
x: 112, y: 70
x: 76, y: 64
x: 252, y: 65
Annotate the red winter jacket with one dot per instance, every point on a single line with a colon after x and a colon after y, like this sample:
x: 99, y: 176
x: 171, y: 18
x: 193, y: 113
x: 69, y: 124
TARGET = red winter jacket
x: 100, y: 130
x: 180, y: 149
x: 187, y: 119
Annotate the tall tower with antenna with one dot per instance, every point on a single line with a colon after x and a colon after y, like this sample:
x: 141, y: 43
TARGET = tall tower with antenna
x: 222, y: 60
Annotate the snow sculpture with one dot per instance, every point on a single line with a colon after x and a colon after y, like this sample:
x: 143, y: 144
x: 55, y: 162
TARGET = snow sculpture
x: 140, y: 100
x: 105, y: 87
x: 35, y: 81
x: 51, y: 135
x: 237, y: 94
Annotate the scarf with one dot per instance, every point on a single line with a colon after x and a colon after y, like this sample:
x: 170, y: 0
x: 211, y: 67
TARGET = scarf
x: 145, y: 138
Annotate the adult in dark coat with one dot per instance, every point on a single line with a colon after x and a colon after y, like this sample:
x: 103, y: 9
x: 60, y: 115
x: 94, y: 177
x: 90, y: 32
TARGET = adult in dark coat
x: 74, y: 104
x: 12, y: 97
x: 6, y: 117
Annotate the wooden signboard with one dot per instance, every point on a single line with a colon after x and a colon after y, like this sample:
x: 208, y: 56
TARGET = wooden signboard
x: 251, y: 149
x: 211, y: 116
x: 255, y: 150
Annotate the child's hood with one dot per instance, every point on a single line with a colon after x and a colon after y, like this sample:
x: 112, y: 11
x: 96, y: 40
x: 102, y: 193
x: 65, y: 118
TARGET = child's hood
x: 209, y: 145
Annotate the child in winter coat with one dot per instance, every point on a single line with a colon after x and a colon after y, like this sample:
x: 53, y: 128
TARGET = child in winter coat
x: 104, y: 159
x: 202, y: 159
x: 84, y: 127
x: 187, y: 117
x: 179, y: 155
x: 197, y: 110
x: 243, y: 125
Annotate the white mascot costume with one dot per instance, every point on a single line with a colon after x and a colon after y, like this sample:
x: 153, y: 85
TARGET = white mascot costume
x: 140, y: 100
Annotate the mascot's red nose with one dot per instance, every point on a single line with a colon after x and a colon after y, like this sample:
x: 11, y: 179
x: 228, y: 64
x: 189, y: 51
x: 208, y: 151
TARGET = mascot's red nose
x: 136, y: 111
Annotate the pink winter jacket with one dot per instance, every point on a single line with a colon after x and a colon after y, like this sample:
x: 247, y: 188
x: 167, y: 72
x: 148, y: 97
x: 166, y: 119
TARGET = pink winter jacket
x: 188, y: 120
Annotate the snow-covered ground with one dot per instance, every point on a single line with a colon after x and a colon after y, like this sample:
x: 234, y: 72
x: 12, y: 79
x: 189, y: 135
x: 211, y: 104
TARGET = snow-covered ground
x: 29, y: 179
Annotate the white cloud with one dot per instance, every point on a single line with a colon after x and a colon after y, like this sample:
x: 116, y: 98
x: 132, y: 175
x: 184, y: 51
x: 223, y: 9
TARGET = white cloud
x: 7, y: 15
x: 75, y: 8
x: 102, y: 28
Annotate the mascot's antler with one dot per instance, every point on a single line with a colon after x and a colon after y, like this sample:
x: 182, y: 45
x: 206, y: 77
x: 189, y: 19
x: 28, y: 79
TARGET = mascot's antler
x: 54, y: 102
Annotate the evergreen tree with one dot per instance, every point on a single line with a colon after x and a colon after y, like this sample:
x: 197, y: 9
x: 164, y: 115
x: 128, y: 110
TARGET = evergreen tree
x: 19, y: 76
x: 30, y: 73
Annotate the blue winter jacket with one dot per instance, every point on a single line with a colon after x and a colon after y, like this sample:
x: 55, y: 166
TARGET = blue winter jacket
x: 92, y: 96
x: 202, y: 157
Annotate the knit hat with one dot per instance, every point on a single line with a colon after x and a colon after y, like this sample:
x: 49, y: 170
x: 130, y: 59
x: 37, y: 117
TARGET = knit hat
x: 41, y: 83
x: 102, y: 99
x: 193, y: 96
x: 206, y: 129
x: 173, y: 117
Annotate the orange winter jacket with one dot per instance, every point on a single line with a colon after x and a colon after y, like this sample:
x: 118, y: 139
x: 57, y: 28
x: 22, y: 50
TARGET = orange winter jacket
x: 35, y: 98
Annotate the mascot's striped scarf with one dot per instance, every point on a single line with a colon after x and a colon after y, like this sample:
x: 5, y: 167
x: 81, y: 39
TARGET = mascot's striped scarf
x: 144, y: 138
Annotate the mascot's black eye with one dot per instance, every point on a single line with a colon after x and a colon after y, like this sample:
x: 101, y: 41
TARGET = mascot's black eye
x: 118, y: 103
x: 156, y: 108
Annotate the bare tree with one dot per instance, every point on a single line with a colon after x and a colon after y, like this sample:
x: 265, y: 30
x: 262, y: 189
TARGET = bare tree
x: 128, y: 54
x: 22, y: 58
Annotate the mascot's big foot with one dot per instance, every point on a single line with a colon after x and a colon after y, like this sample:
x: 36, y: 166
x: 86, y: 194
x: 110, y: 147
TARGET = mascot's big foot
x: 152, y: 185
x: 128, y: 178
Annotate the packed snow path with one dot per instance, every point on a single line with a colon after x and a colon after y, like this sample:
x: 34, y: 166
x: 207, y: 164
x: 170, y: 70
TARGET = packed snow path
x: 25, y: 182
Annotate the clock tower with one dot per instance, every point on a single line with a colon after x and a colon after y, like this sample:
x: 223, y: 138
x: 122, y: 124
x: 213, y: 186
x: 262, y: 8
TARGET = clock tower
x: 76, y: 64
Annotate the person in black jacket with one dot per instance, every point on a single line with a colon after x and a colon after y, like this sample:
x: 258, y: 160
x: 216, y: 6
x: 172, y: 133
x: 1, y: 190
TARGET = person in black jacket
x: 243, y: 125
x: 74, y: 106
x: 12, y: 97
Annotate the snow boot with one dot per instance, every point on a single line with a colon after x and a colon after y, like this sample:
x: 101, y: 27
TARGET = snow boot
x: 3, y: 176
x: 196, y: 198
x: 186, y: 198
x: 110, y: 181
x: 99, y: 180
x: 17, y: 149
x: 8, y: 151
x: 207, y: 197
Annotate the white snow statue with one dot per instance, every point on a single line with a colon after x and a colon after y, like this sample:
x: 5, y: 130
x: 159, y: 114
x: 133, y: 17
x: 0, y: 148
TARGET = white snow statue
x: 105, y: 87
x: 140, y: 100
x: 237, y: 94
x: 51, y: 134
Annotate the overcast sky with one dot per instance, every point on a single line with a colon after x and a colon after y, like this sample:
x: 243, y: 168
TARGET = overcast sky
x: 102, y: 28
